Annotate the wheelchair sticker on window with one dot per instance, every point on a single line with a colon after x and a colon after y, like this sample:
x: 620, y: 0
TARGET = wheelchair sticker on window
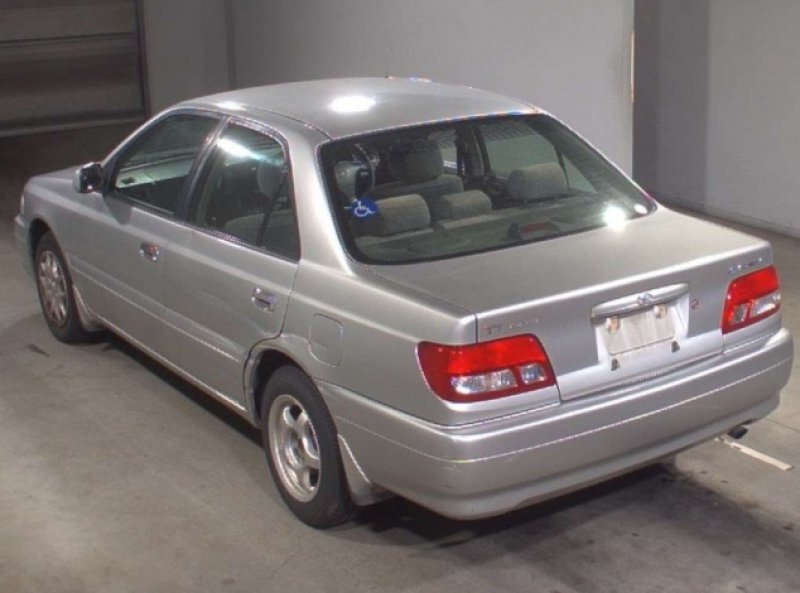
x: 363, y: 208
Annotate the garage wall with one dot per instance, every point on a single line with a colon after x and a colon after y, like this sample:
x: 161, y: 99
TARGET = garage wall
x: 716, y: 119
x: 186, y: 46
x: 571, y: 57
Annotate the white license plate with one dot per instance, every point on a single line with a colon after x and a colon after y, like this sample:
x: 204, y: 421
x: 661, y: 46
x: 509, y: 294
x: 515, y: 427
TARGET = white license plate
x: 644, y: 328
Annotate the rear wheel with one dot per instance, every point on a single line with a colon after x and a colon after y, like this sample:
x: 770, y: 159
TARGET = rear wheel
x: 302, y: 450
x: 56, y: 293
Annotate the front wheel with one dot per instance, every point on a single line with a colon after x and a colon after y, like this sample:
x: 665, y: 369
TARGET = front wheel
x: 56, y: 293
x: 300, y: 441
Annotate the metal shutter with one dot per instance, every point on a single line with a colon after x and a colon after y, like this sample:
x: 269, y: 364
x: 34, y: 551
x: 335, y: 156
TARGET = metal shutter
x: 68, y: 63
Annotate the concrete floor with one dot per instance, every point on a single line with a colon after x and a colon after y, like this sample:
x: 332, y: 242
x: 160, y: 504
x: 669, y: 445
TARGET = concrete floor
x: 115, y: 475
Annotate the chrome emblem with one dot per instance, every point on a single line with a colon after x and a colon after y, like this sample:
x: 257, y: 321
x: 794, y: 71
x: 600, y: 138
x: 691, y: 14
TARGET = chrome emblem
x: 645, y: 299
x: 746, y: 266
x: 510, y: 327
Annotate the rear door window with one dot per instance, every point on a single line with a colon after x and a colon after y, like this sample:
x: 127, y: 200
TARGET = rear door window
x: 245, y: 193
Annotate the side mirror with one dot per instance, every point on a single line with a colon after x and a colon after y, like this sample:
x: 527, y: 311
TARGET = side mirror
x: 88, y: 178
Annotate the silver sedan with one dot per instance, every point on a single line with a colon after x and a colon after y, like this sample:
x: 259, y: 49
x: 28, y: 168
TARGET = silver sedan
x: 413, y: 289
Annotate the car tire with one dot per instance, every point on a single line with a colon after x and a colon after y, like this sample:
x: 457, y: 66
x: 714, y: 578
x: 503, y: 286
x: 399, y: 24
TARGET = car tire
x: 302, y: 449
x: 56, y: 292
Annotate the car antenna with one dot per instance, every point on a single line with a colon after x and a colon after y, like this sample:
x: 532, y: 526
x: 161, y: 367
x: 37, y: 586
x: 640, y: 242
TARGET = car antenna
x: 389, y: 61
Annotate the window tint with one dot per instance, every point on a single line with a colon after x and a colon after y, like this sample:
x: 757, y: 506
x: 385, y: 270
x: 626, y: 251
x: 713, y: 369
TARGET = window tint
x: 154, y: 171
x: 446, y: 141
x: 399, y: 197
x: 246, y: 193
x: 512, y: 144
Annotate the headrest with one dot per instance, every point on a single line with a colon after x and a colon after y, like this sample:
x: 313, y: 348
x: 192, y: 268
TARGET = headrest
x: 415, y: 161
x: 245, y: 227
x: 270, y: 176
x: 537, y: 182
x: 461, y: 205
x: 345, y: 173
x: 396, y: 215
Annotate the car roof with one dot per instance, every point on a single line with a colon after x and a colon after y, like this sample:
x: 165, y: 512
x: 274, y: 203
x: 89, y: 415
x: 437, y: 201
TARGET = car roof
x: 351, y: 106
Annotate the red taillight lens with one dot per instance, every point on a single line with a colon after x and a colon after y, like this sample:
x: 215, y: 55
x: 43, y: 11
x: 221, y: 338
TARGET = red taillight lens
x: 751, y: 298
x: 484, y: 371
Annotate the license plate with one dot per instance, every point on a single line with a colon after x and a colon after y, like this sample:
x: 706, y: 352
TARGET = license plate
x: 638, y: 330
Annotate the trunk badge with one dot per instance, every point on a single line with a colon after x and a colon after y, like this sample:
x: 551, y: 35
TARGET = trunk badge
x: 645, y: 299
x: 741, y: 267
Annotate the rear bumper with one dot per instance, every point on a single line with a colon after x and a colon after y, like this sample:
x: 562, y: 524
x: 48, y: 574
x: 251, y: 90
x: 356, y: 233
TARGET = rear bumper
x: 492, y: 467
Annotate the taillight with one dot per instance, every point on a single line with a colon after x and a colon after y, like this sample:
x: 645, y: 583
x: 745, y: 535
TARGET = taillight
x: 487, y: 370
x: 751, y: 298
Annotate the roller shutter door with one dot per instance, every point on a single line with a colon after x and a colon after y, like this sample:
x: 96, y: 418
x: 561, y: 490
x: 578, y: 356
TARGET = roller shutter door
x: 67, y: 63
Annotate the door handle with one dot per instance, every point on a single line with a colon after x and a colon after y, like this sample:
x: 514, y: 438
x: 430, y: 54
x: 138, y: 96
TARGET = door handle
x: 264, y: 299
x: 149, y: 251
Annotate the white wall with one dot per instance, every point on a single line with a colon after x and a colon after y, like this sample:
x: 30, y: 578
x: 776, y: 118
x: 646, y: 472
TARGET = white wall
x: 186, y: 45
x: 571, y: 57
x: 716, y: 118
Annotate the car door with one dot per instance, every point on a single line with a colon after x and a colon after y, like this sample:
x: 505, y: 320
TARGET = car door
x: 230, y: 268
x: 119, y: 252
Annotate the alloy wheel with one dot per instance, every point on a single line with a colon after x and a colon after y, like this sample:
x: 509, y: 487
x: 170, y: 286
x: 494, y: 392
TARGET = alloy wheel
x: 53, y: 286
x: 294, y: 447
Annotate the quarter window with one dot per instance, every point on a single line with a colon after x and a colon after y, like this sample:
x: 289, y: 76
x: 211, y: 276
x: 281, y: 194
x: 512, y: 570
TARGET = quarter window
x: 155, y: 170
x: 246, y: 193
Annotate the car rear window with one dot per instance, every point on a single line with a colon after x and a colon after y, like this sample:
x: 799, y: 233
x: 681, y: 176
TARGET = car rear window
x: 452, y: 189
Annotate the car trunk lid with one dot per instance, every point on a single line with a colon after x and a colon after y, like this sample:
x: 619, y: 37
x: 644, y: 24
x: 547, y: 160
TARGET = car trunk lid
x: 610, y: 306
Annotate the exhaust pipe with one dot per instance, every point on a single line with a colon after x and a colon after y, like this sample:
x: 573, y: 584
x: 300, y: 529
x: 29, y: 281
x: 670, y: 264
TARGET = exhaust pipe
x: 737, y: 432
